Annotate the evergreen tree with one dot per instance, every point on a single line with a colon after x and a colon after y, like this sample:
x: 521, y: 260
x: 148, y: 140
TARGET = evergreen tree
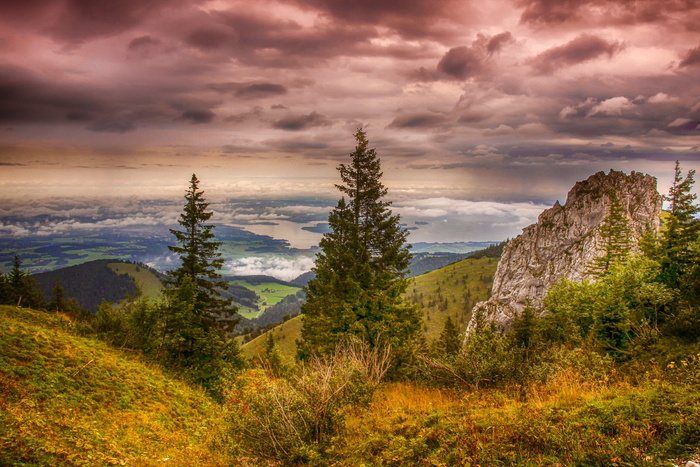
x: 58, y: 301
x: 195, y: 319
x: 616, y: 236
x: 361, y: 270
x: 682, y: 229
x: 4, y: 289
x: 21, y: 288
x: 201, y: 259
x: 450, y: 341
x: 189, y: 344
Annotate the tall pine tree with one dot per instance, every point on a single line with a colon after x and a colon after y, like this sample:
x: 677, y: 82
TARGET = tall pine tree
x: 361, y: 270
x: 201, y: 260
x: 195, y: 318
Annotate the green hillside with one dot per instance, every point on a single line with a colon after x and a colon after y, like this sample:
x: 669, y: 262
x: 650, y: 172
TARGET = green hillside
x: 148, y: 280
x: 285, y: 334
x: 269, y: 293
x: 68, y: 400
x: 450, y: 291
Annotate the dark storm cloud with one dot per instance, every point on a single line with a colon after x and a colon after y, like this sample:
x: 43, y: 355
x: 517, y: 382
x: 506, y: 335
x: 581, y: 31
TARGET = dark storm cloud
x: 460, y: 62
x: 143, y: 42
x: 76, y: 21
x: 273, y: 42
x: 692, y: 58
x: 301, y: 122
x: 671, y: 13
x: 550, y: 11
x: 198, y: 115
x: 25, y: 96
x: 470, y: 61
x: 208, y: 38
x: 581, y: 49
x: 250, y: 90
x: 113, y: 127
x: 497, y: 42
x: 412, y: 19
x: 419, y: 120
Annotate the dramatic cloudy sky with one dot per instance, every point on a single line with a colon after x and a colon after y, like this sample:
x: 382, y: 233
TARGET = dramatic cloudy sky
x: 489, y: 108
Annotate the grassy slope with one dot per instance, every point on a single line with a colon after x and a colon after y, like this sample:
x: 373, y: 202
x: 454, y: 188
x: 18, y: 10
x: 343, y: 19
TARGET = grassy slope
x: 285, y: 335
x: 148, y: 282
x: 68, y: 400
x: 461, y: 284
x: 270, y: 293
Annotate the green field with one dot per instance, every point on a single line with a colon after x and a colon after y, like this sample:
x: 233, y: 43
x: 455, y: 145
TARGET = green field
x: 270, y: 293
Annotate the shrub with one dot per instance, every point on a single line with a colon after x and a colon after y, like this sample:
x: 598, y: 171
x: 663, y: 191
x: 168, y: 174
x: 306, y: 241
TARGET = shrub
x: 292, y: 420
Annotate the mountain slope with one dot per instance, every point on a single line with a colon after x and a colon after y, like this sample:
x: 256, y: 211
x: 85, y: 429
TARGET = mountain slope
x: 68, y: 400
x: 449, y: 291
x: 89, y: 283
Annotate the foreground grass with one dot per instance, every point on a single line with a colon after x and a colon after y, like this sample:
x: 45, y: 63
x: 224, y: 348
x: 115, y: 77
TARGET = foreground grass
x: 564, y: 423
x: 67, y: 400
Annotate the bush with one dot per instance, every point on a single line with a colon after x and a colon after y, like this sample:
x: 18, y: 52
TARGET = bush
x: 292, y: 420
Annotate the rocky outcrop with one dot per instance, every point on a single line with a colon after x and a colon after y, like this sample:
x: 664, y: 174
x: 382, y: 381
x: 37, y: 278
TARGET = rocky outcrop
x: 565, y: 240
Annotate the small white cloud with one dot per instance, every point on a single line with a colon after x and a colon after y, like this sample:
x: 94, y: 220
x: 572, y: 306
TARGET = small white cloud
x: 679, y: 122
x: 612, y: 106
x: 567, y: 112
x: 662, y: 97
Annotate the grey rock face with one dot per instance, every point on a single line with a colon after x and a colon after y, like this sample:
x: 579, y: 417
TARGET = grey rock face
x: 565, y: 240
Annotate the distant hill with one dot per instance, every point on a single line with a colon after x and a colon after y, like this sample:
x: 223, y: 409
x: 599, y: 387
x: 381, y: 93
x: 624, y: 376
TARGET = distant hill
x: 453, y: 247
x: 69, y: 400
x: 425, y: 262
x: 89, y: 283
x: 449, y: 291
x: 113, y: 280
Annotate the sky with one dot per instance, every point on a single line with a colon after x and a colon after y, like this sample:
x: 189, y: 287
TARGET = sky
x: 483, y: 112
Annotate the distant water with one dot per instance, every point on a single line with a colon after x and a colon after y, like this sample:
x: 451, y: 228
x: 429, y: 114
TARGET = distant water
x: 290, y: 231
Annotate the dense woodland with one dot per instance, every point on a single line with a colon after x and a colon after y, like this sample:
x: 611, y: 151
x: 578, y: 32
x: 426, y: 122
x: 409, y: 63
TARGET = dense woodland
x: 625, y: 341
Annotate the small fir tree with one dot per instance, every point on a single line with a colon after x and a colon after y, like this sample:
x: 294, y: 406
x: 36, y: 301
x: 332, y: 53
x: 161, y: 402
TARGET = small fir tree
x: 450, y: 341
x: 361, y: 270
x: 21, y: 288
x: 616, y: 236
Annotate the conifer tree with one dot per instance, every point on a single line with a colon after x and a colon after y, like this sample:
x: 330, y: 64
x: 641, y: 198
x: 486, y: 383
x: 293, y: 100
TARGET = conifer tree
x: 616, y: 236
x: 361, y: 270
x: 450, y: 341
x: 200, y: 257
x: 21, y: 288
x: 682, y: 229
x: 195, y: 318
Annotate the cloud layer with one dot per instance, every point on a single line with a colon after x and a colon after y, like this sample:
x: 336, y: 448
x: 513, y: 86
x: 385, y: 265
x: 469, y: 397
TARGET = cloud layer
x: 504, y: 101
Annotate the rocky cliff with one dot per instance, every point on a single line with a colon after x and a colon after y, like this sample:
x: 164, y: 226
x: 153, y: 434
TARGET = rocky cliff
x: 566, y: 239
